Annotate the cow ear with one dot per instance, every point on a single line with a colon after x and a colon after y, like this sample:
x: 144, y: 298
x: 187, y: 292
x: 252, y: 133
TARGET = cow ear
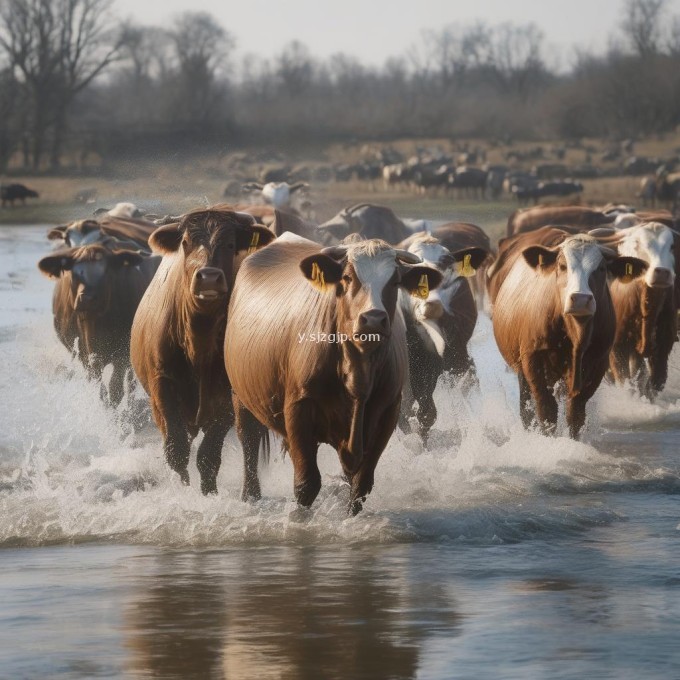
x: 57, y: 234
x: 54, y: 265
x: 166, y: 239
x: 125, y: 258
x: 255, y: 238
x: 418, y: 279
x: 468, y: 260
x: 321, y: 270
x: 538, y: 257
x: 627, y: 269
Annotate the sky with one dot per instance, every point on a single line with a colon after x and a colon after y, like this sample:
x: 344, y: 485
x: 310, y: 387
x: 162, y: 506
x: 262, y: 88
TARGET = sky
x: 374, y: 30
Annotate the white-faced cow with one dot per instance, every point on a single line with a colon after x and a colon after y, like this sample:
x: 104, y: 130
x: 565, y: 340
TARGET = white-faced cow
x: 316, y: 351
x: 554, y: 320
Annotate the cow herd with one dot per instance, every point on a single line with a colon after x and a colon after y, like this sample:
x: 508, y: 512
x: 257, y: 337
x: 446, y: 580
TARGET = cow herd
x: 338, y: 333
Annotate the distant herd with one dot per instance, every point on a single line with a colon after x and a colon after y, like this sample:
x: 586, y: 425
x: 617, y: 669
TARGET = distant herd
x: 250, y: 317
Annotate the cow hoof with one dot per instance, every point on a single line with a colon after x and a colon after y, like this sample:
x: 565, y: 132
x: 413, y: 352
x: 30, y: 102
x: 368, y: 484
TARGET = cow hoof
x: 184, y: 476
x: 251, y: 495
x: 306, y: 493
x: 209, y: 488
x: 355, y: 507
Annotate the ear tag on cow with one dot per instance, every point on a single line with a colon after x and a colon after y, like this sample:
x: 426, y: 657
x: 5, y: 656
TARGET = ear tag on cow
x: 465, y: 268
x: 423, y: 289
x: 253, y: 242
x: 629, y: 273
x: 318, y: 278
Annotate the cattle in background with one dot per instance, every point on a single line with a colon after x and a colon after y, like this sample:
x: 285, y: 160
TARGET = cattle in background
x: 668, y: 189
x: 647, y: 193
x: 469, y: 181
x: 124, y: 210
x: 438, y: 327
x: 554, y: 320
x: 530, y: 219
x: 278, y: 194
x: 129, y: 233
x: 646, y: 325
x: 368, y: 220
x: 178, y: 331
x: 16, y: 192
x: 96, y: 295
x: 289, y: 300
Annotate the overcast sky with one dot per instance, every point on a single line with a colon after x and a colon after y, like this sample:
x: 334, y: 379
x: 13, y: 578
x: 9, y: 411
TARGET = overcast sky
x: 374, y: 30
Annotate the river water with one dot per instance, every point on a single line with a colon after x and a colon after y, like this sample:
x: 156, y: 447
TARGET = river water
x: 495, y: 553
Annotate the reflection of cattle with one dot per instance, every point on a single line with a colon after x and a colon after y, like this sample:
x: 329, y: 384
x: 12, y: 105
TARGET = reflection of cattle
x: 368, y: 220
x: 347, y: 393
x: 645, y: 309
x: 16, y: 192
x: 178, y: 330
x: 541, y: 216
x: 554, y: 319
x: 438, y: 327
x: 95, y: 298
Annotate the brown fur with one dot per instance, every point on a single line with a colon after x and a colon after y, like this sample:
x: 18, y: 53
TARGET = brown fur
x: 177, y: 338
x: 530, y: 219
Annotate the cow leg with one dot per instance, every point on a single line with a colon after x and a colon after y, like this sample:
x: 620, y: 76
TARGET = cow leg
x: 544, y: 399
x: 427, y: 415
x: 526, y: 411
x: 658, y: 371
x: 252, y: 435
x: 176, y: 438
x: 209, y: 456
x: 406, y: 411
x: 303, y: 447
x: 377, y: 440
x: 619, y: 366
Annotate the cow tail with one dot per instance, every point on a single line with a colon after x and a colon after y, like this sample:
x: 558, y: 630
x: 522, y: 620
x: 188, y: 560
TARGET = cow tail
x: 265, y: 447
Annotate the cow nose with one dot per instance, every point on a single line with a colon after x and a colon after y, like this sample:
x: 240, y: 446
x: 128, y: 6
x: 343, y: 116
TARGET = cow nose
x: 661, y: 277
x: 374, y: 320
x: 209, y: 282
x: 581, y: 304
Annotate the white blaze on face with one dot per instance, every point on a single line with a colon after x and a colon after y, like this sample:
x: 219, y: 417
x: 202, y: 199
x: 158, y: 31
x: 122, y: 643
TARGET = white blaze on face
x: 276, y: 193
x: 582, y: 258
x: 653, y: 243
x: 374, y: 271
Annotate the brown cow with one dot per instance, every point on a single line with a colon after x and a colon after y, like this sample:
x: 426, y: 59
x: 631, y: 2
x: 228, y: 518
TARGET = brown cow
x: 646, y: 325
x: 531, y: 219
x: 369, y: 220
x: 322, y: 359
x: 178, y: 332
x: 128, y: 232
x: 554, y: 320
x: 97, y: 293
x: 439, y: 327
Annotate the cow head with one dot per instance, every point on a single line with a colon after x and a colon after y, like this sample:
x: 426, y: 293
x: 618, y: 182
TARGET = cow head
x: 580, y: 266
x: 366, y: 277
x: 653, y: 243
x: 453, y: 267
x: 80, y: 233
x: 211, y: 244
x: 90, y: 268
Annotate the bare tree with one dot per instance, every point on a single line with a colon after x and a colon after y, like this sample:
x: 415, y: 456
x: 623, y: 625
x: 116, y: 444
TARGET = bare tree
x: 642, y: 25
x: 56, y: 48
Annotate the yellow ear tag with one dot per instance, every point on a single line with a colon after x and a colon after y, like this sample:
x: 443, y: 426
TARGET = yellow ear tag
x: 318, y: 278
x: 423, y: 289
x: 629, y: 273
x: 253, y: 242
x: 466, y: 269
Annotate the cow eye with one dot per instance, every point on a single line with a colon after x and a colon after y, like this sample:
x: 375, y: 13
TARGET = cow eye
x: 563, y: 267
x: 347, y: 279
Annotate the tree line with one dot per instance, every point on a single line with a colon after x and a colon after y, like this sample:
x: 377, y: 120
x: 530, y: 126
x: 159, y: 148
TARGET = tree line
x: 76, y: 81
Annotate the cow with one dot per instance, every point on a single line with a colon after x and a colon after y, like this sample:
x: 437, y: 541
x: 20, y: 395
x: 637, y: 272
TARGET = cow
x: 646, y: 322
x: 470, y: 180
x: 124, y: 210
x: 98, y: 289
x: 316, y: 351
x: 177, y: 333
x: 647, y: 191
x: 16, y: 192
x: 368, y: 220
x: 276, y: 194
x: 541, y: 216
x: 129, y: 233
x: 438, y: 327
x: 554, y: 321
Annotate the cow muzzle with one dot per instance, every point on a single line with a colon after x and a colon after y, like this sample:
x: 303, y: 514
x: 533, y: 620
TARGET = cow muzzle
x: 209, y: 283
x: 580, y: 304
x: 431, y: 309
x: 661, y: 278
x: 371, y: 328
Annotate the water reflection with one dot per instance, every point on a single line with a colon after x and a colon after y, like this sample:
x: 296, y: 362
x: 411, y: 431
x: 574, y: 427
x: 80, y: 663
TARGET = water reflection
x: 288, y: 613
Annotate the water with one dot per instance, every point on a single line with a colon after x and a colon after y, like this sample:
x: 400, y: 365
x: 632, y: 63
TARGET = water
x: 496, y: 553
